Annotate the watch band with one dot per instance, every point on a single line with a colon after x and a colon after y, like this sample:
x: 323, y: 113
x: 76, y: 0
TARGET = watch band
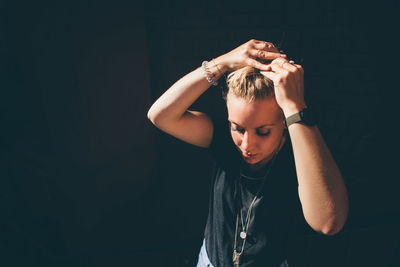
x: 293, y: 119
x: 305, y: 116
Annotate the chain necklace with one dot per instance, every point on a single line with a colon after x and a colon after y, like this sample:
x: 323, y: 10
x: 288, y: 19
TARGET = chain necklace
x: 245, y: 227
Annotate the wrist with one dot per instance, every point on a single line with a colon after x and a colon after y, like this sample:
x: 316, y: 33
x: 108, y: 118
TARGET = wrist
x: 221, y: 64
x: 293, y: 109
x: 306, y: 116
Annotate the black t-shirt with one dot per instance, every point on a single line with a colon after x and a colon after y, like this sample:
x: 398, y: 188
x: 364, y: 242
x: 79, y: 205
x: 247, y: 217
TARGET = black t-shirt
x: 273, y: 214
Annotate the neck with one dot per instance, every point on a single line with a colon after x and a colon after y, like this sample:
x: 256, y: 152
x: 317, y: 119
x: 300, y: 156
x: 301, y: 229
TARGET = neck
x: 259, y: 168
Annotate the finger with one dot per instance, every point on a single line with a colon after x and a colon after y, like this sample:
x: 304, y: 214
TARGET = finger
x: 256, y: 64
x: 271, y: 75
x: 300, y: 68
x: 301, y: 72
x: 277, y: 67
x: 289, y: 66
x: 267, y: 46
x: 288, y: 69
x: 285, y: 64
x: 262, y: 54
x: 279, y: 61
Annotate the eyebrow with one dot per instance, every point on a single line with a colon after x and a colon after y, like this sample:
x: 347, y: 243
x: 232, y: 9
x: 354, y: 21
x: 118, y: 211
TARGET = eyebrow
x: 271, y: 124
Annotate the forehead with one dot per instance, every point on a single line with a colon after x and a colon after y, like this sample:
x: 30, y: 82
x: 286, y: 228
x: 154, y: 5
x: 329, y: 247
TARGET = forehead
x: 255, y: 113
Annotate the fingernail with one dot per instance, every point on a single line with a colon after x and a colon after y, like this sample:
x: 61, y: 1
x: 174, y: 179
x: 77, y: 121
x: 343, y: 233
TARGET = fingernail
x: 291, y: 61
x: 283, y: 55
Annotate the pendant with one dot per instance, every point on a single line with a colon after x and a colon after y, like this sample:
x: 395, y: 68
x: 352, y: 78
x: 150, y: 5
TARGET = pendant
x: 243, y: 235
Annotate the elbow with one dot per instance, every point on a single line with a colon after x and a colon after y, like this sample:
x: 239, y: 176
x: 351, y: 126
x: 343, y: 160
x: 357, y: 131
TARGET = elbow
x: 329, y: 226
x: 161, y: 117
x: 152, y: 115
x: 334, y: 227
x: 330, y: 230
x: 327, y: 229
x: 158, y: 115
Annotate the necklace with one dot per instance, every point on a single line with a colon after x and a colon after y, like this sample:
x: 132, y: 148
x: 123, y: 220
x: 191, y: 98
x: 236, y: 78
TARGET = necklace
x: 245, y: 227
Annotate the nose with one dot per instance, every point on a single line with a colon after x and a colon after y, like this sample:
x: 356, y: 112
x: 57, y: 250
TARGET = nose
x: 247, y: 142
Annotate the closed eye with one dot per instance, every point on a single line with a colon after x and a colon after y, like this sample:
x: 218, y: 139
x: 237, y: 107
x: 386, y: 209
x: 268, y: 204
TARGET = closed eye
x: 264, y: 133
x: 236, y: 129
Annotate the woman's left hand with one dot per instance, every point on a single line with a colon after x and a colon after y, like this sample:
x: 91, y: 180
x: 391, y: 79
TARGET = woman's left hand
x: 288, y: 82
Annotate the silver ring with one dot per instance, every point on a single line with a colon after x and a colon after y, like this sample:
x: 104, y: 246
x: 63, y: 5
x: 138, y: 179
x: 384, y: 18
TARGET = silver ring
x: 291, y: 61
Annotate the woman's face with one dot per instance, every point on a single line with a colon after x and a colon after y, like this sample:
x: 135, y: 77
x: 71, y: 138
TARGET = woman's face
x: 256, y: 128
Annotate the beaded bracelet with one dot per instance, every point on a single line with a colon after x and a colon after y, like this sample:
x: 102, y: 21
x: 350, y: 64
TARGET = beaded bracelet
x: 206, y: 73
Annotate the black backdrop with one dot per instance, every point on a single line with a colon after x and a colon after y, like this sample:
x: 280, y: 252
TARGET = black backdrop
x: 86, y: 180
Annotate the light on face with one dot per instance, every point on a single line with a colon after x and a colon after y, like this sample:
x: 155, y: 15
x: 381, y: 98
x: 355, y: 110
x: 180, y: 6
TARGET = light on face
x: 255, y: 127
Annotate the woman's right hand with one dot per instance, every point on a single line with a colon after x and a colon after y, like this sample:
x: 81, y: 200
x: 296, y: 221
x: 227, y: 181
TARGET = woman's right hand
x: 251, y: 54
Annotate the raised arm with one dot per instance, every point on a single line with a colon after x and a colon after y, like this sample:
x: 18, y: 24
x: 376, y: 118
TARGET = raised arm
x: 170, y: 112
x: 322, y: 192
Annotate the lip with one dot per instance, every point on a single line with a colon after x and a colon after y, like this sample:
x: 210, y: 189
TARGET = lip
x: 249, y: 157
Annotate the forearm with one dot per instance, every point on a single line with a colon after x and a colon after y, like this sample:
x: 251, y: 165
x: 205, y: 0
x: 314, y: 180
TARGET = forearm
x: 322, y: 191
x: 173, y: 104
x: 180, y: 96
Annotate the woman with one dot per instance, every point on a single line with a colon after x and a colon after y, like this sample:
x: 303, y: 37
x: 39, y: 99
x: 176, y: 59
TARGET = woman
x: 266, y: 151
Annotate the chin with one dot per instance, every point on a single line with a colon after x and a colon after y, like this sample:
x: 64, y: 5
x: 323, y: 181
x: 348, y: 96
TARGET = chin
x: 258, y: 162
x: 254, y: 162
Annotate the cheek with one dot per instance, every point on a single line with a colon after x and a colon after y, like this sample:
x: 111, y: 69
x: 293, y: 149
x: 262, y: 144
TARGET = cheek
x: 236, y: 138
x: 265, y: 144
x: 270, y: 143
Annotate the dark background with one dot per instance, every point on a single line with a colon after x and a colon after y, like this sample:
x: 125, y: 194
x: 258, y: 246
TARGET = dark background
x: 86, y: 180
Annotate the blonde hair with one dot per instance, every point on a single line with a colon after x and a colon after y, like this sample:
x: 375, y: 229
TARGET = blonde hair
x: 248, y: 83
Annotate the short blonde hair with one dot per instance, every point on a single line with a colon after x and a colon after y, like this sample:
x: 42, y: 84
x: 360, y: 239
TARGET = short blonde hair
x: 248, y: 83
